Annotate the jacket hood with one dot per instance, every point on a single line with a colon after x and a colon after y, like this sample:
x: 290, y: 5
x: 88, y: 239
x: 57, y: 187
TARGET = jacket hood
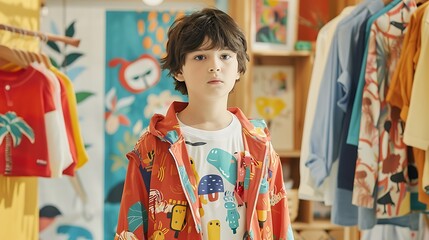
x: 167, y: 127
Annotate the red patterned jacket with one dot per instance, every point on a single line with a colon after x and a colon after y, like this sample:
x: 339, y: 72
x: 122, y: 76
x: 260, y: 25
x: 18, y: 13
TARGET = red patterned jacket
x: 160, y: 198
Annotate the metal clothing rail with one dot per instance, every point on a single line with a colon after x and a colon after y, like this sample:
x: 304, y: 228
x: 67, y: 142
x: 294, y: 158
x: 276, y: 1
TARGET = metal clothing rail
x: 44, y: 37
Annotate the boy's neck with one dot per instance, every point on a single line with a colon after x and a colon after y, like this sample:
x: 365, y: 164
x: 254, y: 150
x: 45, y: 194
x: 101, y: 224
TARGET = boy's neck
x: 210, y: 117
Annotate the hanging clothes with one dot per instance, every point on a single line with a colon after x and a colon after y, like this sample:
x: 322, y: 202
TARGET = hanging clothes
x: 348, y: 154
x: 307, y: 189
x: 32, y: 97
x: 333, y: 101
x: 61, y: 144
x: 26, y: 152
x: 343, y: 211
x: 45, y: 136
x: 417, y: 128
x: 400, y: 90
x: 380, y: 176
x: 82, y: 155
x: 362, y: 72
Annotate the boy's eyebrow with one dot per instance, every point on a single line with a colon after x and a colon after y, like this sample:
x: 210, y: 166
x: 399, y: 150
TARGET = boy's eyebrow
x: 208, y: 49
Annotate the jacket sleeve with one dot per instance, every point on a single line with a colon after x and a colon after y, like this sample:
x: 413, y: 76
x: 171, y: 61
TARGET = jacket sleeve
x: 282, y: 227
x: 133, y: 213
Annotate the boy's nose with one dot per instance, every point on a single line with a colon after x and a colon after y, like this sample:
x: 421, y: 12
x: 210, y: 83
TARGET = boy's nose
x: 214, y: 69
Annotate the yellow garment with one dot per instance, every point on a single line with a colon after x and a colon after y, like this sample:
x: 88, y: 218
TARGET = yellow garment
x: 416, y: 132
x: 82, y: 156
x: 19, y: 210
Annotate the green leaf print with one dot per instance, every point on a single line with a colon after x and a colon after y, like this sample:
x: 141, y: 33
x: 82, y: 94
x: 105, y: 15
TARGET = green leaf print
x: 137, y: 215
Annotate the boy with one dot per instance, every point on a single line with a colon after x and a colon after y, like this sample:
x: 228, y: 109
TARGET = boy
x: 204, y: 171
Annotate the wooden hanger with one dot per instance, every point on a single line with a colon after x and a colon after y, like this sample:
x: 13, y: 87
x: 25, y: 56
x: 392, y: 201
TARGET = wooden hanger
x: 30, y: 56
x: 25, y: 55
x: 11, y: 55
x: 36, y: 57
x: 25, y: 58
x: 46, y: 60
x: 67, y: 40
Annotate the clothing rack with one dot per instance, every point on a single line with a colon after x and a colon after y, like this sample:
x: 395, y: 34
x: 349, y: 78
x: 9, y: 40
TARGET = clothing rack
x: 44, y: 37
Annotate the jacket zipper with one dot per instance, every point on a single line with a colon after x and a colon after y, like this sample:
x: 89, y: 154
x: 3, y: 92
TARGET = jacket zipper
x: 197, y: 228
x: 259, y: 180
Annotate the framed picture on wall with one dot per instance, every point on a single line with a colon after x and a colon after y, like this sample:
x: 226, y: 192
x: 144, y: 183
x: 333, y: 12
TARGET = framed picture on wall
x: 274, y: 24
x: 273, y: 101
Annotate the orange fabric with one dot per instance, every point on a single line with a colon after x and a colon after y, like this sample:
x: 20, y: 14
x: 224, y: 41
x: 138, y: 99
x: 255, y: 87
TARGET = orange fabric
x: 399, y: 93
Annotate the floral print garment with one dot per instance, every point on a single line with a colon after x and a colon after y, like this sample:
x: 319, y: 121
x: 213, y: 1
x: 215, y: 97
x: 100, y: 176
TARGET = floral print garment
x: 382, y: 166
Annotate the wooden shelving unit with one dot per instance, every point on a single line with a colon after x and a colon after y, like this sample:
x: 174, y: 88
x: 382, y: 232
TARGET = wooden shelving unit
x: 289, y: 154
x: 316, y: 224
x: 271, y: 53
x: 302, y: 61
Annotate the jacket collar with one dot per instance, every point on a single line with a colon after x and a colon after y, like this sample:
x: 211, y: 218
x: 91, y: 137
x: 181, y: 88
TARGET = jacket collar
x: 167, y: 127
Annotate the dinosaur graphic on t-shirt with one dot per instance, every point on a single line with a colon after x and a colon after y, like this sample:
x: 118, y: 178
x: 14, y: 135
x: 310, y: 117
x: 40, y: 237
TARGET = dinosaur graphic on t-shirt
x: 225, y: 162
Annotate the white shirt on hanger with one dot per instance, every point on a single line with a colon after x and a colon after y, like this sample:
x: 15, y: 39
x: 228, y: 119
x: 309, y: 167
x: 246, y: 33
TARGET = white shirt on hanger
x: 58, y: 145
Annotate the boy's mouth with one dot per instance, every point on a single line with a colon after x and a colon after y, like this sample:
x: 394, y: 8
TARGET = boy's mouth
x: 215, y: 81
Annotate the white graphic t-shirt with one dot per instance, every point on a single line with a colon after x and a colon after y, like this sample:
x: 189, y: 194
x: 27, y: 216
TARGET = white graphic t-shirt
x: 214, y: 160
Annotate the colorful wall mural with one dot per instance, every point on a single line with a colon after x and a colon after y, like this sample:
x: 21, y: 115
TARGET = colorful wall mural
x: 135, y: 89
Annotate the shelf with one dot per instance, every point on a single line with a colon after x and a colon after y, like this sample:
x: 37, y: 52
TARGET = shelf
x: 280, y: 53
x: 289, y: 154
x: 316, y: 225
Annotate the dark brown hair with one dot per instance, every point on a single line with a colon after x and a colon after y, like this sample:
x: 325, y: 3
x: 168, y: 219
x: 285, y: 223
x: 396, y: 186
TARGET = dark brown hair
x: 188, y: 33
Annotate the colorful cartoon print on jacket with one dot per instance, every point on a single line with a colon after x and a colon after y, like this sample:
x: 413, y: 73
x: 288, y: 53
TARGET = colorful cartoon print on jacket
x: 166, y: 186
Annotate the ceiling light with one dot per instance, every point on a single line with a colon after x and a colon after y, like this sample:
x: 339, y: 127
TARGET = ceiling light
x: 152, y: 2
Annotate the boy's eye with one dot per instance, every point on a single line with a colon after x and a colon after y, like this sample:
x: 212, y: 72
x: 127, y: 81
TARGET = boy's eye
x: 226, y: 56
x: 199, y: 57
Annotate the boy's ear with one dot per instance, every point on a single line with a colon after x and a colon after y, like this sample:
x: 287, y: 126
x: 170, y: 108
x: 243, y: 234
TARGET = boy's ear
x: 179, y: 77
x: 238, y: 76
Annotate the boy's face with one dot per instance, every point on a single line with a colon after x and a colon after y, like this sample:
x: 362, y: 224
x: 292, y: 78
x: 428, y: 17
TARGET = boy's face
x: 209, y: 73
